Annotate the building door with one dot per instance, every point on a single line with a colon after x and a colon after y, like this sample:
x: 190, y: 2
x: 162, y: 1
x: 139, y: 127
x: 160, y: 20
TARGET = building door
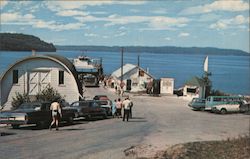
x: 128, y: 84
x: 156, y: 86
x: 38, y: 81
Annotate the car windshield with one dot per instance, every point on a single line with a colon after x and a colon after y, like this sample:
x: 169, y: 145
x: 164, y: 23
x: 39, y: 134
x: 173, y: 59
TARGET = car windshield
x: 29, y: 106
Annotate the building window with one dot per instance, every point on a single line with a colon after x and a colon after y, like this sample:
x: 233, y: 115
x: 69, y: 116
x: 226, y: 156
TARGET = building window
x: 61, y: 77
x: 141, y: 73
x: 15, y: 76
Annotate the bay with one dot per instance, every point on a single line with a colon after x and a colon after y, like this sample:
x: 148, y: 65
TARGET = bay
x: 230, y: 73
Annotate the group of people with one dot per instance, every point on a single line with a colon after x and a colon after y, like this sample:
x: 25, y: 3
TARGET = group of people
x: 122, y: 109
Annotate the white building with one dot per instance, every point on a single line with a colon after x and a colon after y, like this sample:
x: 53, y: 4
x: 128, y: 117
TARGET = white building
x: 135, y: 79
x: 167, y: 86
x: 194, y: 88
x: 33, y: 74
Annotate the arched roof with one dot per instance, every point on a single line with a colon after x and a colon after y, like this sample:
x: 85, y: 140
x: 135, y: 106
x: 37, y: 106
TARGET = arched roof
x: 56, y: 58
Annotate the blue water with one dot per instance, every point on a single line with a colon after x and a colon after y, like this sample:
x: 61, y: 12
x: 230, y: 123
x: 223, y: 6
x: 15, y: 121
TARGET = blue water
x: 230, y: 73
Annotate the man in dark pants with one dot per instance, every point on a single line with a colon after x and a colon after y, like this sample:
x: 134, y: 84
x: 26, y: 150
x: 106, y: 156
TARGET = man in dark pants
x: 126, y: 105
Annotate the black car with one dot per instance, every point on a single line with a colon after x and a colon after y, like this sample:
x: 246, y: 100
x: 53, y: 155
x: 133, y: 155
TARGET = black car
x: 38, y: 113
x: 88, y: 109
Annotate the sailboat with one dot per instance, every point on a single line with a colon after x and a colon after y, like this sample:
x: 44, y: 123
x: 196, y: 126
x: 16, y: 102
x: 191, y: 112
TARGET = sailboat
x: 206, y: 67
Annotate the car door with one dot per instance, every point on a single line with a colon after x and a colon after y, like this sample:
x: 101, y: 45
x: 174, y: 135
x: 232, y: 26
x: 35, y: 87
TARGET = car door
x: 95, y: 108
x: 84, y: 108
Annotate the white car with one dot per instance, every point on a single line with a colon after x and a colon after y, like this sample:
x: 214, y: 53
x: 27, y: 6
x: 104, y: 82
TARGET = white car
x: 226, y: 108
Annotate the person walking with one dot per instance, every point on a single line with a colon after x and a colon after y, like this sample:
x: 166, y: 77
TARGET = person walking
x: 126, y: 105
x: 56, y: 113
x: 119, y: 107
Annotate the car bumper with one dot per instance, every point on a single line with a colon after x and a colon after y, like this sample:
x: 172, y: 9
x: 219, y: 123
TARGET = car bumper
x: 13, y: 121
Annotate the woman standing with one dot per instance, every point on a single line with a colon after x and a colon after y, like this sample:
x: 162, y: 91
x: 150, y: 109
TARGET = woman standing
x: 119, y: 107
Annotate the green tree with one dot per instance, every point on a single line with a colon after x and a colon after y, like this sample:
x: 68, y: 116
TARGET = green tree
x: 208, y: 84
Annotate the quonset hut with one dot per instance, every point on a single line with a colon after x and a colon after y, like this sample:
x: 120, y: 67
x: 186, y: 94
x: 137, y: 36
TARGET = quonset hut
x: 34, y: 73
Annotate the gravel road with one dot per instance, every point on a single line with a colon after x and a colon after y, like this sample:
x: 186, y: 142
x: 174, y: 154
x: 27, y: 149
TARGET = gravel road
x: 158, y: 122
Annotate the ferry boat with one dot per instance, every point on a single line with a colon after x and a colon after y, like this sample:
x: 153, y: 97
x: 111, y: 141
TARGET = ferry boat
x: 89, y: 70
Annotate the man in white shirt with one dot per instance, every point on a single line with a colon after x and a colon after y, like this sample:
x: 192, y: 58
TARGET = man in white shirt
x: 126, y: 105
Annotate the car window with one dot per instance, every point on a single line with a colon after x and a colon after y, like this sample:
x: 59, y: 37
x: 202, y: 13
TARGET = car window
x: 94, y: 104
x: 28, y: 106
x: 76, y: 104
x: 84, y: 104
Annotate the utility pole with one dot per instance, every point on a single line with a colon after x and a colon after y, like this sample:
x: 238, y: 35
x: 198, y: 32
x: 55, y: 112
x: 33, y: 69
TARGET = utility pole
x: 138, y: 60
x: 121, y: 67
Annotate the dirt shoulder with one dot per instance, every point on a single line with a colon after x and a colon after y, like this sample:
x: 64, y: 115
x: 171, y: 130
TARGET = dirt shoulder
x: 227, y: 149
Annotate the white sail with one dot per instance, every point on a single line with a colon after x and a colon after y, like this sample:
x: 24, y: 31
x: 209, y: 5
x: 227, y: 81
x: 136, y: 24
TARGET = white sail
x: 206, y: 64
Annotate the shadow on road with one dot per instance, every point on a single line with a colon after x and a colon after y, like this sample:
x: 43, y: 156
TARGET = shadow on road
x: 138, y: 119
x: 72, y: 129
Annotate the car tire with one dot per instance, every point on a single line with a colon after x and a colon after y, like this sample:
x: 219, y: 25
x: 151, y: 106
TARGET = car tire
x: 15, y: 126
x: 70, y: 120
x: 202, y: 109
x: 105, y: 116
x: 88, y: 117
x: 223, y: 111
x: 42, y: 124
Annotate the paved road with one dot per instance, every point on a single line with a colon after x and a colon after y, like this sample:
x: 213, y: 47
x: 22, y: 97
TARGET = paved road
x: 158, y: 123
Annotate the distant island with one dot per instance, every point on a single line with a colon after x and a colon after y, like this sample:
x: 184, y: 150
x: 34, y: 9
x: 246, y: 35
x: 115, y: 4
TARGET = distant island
x: 22, y: 42
x: 161, y: 49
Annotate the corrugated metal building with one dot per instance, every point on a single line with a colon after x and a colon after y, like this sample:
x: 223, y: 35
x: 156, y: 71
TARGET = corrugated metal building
x: 34, y: 73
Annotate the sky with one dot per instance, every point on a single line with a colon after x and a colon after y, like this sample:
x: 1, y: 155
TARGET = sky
x: 182, y: 23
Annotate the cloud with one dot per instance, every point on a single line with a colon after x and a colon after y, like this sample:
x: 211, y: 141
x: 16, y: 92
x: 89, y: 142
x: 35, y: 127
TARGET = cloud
x: 58, y: 5
x: 16, y: 18
x: 120, y: 34
x: 3, y: 3
x: 67, y: 13
x: 229, y: 5
x: 153, y: 22
x: 237, y: 22
x: 161, y: 22
x: 90, y: 35
x: 167, y: 38
x: 159, y: 11
x: 183, y: 34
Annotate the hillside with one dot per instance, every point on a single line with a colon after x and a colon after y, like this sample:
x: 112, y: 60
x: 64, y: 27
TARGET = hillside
x: 22, y: 42
x: 162, y: 49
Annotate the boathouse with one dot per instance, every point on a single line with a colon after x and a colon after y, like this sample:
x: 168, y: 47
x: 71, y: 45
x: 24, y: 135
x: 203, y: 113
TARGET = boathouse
x: 135, y: 79
x: 194, y: 88
x: 34, y: 73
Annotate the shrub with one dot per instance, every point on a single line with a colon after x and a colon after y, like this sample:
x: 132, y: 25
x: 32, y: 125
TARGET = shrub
x: 19, y: 99
x: 49, y: 94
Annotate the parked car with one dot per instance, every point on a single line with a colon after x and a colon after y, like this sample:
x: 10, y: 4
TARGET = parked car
x: 101, y: 97
x: 88, y: 109
x: 226, y: 108
x: 38, y: 113
x: 107, y: 105
x: 245, y: 107
x: 197, y: 103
